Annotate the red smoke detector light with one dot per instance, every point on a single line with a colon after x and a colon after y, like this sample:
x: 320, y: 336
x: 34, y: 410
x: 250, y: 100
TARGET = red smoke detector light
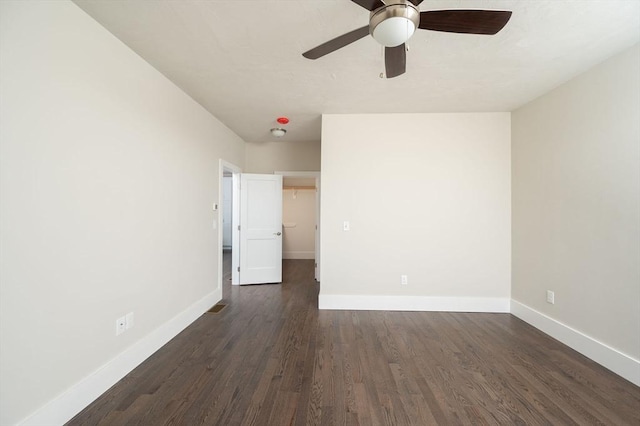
x: 283, y: 120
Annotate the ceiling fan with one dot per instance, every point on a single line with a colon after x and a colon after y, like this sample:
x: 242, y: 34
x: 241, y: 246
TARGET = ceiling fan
x: 393, y: 22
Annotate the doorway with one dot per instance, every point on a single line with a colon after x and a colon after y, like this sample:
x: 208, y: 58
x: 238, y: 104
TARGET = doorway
x: 228, y: 211
x: 301, y: 217
x: 229, y: 205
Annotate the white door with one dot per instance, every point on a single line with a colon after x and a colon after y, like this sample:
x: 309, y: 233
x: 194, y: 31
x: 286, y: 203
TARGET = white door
x: 260, y: 228
x: 317, y: 248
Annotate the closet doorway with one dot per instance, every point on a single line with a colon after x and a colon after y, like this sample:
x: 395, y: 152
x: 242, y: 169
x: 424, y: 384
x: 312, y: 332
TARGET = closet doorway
x: 301, y: 216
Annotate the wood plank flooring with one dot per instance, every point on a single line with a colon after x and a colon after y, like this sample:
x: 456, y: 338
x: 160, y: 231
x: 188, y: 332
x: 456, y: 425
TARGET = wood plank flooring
x: 271, y: 358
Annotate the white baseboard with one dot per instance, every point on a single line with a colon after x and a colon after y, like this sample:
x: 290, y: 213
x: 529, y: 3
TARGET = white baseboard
x: 413, y: 303
x: 298, y: 254
x: 62, y: 408
x: 608, y: 357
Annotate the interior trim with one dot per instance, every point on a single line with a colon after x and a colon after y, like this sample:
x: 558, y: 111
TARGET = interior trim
x: 413, y: 303
x: 610, y: 358
x: 66, y: 405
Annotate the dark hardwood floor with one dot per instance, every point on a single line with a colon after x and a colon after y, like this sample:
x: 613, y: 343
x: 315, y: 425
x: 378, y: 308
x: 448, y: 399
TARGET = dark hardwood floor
x: 271, y: 358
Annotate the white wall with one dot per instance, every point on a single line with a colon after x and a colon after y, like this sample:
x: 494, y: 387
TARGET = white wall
x: 268, y: 157
x: 576, y: 207
x: 427, y: 196
x: 107, y: 177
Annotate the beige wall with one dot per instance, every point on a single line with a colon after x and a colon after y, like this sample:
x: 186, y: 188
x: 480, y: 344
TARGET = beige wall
x: 282, y: 155
x: 427, y: 196
x: 107, y: 177
x: 299, y: 219
x: 576, y: 203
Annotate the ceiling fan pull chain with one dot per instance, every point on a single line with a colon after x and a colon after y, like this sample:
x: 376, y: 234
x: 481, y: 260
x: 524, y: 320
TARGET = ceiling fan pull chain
x: 406, y: 43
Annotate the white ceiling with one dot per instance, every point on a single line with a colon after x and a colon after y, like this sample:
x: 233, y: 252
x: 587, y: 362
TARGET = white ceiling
x: 242, y: 59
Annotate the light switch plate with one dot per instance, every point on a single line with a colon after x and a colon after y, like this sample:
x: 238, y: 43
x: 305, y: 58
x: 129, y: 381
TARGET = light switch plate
x: 551, y: 297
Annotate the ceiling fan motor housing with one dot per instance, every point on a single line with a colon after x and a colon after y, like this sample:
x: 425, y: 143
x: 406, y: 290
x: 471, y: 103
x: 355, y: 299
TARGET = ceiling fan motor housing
x: 394, y: 23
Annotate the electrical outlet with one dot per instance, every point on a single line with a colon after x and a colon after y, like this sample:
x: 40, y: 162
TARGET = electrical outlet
x: 129, y: 320
x: 346, y: 226
x: 551, y: 297
x: 404, y: 280
x: 121, y: 325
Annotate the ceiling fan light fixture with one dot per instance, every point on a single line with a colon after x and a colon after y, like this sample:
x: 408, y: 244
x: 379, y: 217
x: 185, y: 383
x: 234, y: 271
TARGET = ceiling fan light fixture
x: 394, y: 24
x: 278, y: 132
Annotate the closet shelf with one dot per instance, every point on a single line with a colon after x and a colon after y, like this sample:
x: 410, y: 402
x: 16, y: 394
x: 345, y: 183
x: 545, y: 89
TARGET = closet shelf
x: 300, y: 188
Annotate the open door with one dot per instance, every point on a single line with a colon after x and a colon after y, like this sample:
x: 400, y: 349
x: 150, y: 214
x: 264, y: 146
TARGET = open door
x: 317, y: 243
x: 260, y: 229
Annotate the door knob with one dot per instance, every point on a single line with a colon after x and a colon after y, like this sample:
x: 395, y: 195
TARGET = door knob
x: 278, y: 233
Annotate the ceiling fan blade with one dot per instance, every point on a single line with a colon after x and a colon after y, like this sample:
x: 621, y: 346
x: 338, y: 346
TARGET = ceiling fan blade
x: 464, y: 21
x: 337, y: 43
x: 370, y: 5
x: 395, y: 60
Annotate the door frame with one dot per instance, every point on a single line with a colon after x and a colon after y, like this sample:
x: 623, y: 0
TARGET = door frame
x: 235, y: 219
x: 317, y: 176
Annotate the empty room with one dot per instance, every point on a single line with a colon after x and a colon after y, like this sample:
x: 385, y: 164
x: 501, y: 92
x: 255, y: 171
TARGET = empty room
x: 327, y: 212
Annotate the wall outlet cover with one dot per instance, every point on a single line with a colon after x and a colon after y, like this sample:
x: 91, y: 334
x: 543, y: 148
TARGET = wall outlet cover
x: 121, y: 325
